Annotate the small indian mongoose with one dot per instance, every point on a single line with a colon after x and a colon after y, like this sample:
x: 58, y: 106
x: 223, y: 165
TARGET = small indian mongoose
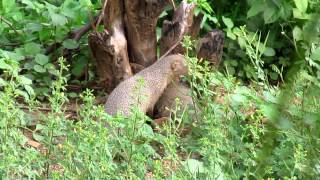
x: 156, y: 78
x: 167, y: 101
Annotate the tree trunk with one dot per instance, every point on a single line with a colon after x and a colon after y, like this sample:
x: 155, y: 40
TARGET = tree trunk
x: 210, y: 47
x: 109, y: 48
x: 173, y: 31
x: 141, y: 20
x: 130, y: 31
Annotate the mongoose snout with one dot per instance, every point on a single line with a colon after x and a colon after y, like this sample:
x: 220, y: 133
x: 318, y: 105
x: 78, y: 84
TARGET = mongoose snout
x: 156, y: 78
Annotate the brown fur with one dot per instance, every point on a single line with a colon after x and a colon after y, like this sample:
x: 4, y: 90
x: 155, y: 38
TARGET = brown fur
x: 156, y: 78
x: 167, y: 101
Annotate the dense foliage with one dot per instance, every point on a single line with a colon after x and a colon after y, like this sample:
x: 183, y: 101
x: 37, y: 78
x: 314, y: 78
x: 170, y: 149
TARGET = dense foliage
x: 259, y: 117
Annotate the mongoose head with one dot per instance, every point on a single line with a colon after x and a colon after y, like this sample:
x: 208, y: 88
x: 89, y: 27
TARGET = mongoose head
x: 179, y: 66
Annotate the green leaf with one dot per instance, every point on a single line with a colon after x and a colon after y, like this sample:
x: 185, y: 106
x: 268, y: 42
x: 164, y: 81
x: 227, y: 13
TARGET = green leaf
x: 33, y: 27
x: 39, y: 69
x: 163, y: 14
x: 228, y: 22
x: 79, y: 66
x: 269, y: 97
x: 274, y: 75
x: 38, y: 137
x: 158, y: 31
x: 194, y: 166
x: 4, y: 65
x: 238, y: 99
x: 29, y: 89
x: 12, y: 55
x: 41, y: 59
x: 300, y: 15
x: 316, y: 54
x: 8, y: 5
x: 270, y: 14
x: 50, y: 66
x: 302, y: 5
x: 29, y: 65
x: 21, y: 93
x: 51, y: 69
x: 32, y: 48
x: 70, y: 44
x: 213, y: 19
x: 256, y: 8
x: 234, y: 63
x: 311, y: 29
x: 268, y: 51
x: 297, y: 33
x: 146, y: 131
x: 28, y: 3
x: 2, y: 82
x: 242, y: 42
x: 231, y: 35
x: 73, y: 95
x: 24, y: 80
x: 58, y: 19
x: 231, y: 70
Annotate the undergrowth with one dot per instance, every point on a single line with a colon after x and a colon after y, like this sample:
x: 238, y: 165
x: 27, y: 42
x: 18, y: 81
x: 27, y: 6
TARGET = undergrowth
x: 266, y: 128
x: 237, y: 131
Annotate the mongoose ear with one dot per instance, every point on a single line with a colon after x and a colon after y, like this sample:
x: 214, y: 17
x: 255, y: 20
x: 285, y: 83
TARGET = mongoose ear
x: 175, y: 66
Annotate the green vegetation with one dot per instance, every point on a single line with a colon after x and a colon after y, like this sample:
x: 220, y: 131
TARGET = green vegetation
x: 257, y: 118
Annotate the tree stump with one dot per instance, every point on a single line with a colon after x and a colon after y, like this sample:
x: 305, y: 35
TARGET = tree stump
x: 210, y: 47
x: 128, y: 43
x: 173, y: 31
x: 141, y: 18
x: 109, y: 48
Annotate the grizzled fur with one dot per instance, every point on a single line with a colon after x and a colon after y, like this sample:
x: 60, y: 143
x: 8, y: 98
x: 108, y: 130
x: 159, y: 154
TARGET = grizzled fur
x: 167, y: 101
x: 156, y: 78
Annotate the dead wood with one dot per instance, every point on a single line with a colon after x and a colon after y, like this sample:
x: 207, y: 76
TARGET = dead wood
x: 141, y: 19
x: 136, y: 68
x: 109, y: 48
x: 195, y: 28
x: 173, y: 31
x: 210, y: 47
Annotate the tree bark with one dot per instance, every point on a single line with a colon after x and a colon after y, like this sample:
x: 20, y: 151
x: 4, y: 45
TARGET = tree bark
x: 173, y: 31
x: 141, y: 20
x: 210, y: 47
x: 195, y: 28
x: 109, y: 48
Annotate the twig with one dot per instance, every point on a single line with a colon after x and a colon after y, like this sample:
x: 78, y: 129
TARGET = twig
x: 171, y: 48
x: 173, y: 4
x: 75, y: 35
x: 9, y: 24
x: 93, y: 21
x: 12, y: 44
x: 102, y: 13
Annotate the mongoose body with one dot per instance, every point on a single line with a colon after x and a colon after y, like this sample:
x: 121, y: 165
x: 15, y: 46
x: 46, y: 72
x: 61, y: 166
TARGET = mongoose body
x: 156, y: 78
x: 167, y: 101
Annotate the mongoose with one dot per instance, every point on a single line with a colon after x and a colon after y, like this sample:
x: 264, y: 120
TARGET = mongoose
x: 167, y: 101
x: 156, y: 78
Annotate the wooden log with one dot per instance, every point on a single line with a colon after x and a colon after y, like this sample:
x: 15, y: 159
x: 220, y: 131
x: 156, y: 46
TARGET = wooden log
x: 141, y: 20
x: 109, y: 48
x: 210, y: 47
x: 195, y: 28
x: 173, y: 31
